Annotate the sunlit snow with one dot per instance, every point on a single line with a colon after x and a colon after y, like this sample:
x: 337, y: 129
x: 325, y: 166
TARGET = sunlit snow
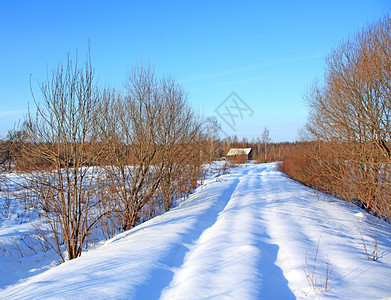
x: 250, y: 234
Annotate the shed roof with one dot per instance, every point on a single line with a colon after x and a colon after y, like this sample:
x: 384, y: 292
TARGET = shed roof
x: 238, y: 151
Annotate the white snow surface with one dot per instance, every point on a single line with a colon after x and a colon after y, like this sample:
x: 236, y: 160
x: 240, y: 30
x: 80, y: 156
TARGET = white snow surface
x: 250, y: 234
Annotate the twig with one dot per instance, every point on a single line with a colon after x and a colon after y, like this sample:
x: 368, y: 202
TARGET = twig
x: 176, y: 251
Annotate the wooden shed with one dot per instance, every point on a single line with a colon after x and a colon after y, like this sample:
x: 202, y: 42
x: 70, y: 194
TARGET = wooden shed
x: 240, y: 154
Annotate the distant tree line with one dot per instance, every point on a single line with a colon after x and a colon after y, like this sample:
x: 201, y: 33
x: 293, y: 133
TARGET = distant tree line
x: 264, y: 150
x: 349, y: 129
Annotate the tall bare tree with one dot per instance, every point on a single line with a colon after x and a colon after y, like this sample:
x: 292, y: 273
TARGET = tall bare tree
x: 212, y: 130
x: 149, y: 132
x: 265, y: 139
x: 59, y: 152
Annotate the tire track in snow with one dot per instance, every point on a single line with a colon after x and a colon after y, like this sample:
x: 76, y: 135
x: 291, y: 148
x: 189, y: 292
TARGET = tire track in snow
x: 302, y: 219
x: 161, y: 277
x: 233, y: 255
x: 293, y: 222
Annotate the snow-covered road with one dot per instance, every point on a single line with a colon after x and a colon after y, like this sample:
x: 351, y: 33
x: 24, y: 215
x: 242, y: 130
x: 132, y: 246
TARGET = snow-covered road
x: 251, y: 234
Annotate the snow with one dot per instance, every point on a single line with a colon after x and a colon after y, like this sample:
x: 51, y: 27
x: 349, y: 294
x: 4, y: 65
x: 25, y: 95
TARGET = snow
x: 250, y: 234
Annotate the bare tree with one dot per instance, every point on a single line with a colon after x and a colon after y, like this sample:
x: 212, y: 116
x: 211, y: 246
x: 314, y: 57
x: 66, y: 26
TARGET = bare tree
x: 212, y: 130
x: 265, y: 139
x: 5, y: 154
x: 179, y: 134
x: 148, y: 132
x: 10, y: 148
x: 60, y: 152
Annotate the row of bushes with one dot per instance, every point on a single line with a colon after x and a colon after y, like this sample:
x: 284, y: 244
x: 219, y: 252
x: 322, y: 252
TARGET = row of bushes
x: 321, y: 166
x: 350, y: 124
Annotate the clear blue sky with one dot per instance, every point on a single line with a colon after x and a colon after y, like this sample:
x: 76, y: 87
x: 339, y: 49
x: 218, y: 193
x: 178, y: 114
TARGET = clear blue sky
x: 268, y: 52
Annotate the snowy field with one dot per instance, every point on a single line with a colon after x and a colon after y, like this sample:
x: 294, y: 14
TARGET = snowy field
x: 250, y: 234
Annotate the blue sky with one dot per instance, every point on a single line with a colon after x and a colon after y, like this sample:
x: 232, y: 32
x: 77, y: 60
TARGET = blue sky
x: 268, y: 52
